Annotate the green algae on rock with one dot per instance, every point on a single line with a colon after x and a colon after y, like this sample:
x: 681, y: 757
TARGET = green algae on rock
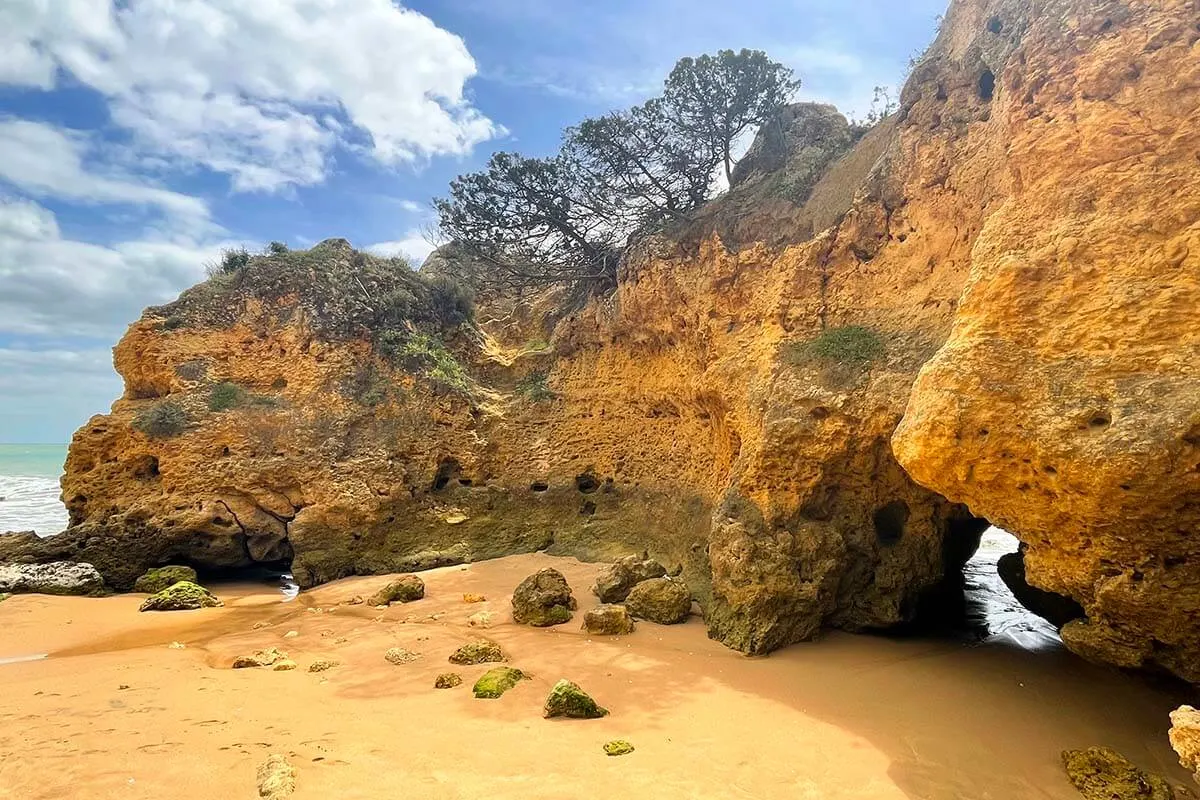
x: 618, y: 747
x: 666, y: 601
x: 182, y: 596
x: 1101, y: 773
x: 159, y: 578
x: 543, y: 599
x: 480, y: 651
x: 497, y: 681
x: 447, y: 680
x: 568, y: 700
x: 404, y: 589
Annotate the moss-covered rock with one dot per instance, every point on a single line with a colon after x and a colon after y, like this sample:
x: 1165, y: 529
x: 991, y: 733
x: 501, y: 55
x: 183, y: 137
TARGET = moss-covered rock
x: 447, y: 680
x: 480, y: 651
x: 497, y: 681
x: 1101, y: 773
x: 4, y: 596
x: 398, y: 656
x: 159, y: 578
x: 182, y: 596
x: 614, y: 583
x: 404, y: 589
x: 568, y: 700
x: 618, y: 747
x: 666, y: 601
x: 608, y: 620
x: 543, y: 599
x: 261, y: 658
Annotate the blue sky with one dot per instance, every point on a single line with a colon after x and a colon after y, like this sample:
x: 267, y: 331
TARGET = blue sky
x: 139, y: 137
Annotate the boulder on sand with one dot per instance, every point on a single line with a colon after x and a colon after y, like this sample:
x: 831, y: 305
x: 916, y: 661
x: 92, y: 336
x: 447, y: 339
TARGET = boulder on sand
x: 404, y: 589
x: 666, y: 601
x: 59, y: 577
x: 608, y: 620
x: 182, y: 596
x: 398, y: 656
x: 1101, y: 773
x: 543, y: 599
x: 276, y: 778
x: 480, y: 651
x: 618, y: 747
x: 497, y: 681
x: 568, y: 700
x: 261, y: 658
x: 159, y: 578
x: 615, y: 583
x: 447, y: 680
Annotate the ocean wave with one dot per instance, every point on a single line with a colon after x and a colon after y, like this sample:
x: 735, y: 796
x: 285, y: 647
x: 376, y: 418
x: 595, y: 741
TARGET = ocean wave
x: 31, y: 503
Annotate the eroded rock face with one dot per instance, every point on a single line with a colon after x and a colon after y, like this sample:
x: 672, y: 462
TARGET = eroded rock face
x: 1028, y: 217
x: 1063, y: 407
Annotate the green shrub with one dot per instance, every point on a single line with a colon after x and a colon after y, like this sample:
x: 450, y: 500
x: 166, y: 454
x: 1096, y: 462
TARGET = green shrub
x: 427, y: 355
x: 172, y: 323
x: 853, y: 344
x: 536, y: 387
x: 225, y: 396
x: 162, y: 420
x: 277, y: 249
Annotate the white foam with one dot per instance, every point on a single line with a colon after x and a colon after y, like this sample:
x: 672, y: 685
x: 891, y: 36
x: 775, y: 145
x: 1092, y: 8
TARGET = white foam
x: 31, y: 503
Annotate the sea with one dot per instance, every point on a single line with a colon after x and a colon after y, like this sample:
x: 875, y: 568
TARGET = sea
x: 29, y: 491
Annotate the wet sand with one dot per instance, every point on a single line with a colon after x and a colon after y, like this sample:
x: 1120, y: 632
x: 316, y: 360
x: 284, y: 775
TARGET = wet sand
x: 115, y: 712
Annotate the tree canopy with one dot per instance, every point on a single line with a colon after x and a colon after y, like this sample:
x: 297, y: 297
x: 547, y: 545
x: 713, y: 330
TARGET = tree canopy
x: 566, y: 218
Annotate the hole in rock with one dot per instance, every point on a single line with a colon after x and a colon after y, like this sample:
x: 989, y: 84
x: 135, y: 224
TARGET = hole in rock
x: 587, y: 509
x: 987, y: 86
x: 587, y: 482
x: 539, y: 486
x: 145, y: 468
x: 890, y: 522
x: 1100, y: 421
x: 995, y: 25
x: 448, y: 469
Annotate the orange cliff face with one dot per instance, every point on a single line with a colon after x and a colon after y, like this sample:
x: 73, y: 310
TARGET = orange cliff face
x: 733, y: 408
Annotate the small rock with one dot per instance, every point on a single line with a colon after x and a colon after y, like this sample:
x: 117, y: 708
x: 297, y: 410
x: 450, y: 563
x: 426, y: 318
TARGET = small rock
x: 291, y: 634
x: 404, y: 589
x: 182, y: 596
x: 608, y: 620
x: 261, y: 658
x: 1185, y: 738
x: 543, y: 599
x: 276, y: 778
x: 286, y: 665
x: 357, y: 600
x: 482, y: 619
x: 123, y: 686
x: 618, y: 747
x: 177, y: 646
x: 398, y: 655
x: 473, y: 598
x: 260, y: 625
x: 60, y: 577
x: 497, y: 681
x: 159, y: 578
x: 568, y: 700
x: 1100, y: 773
x: 322, y: 665
x: 614, y: 584
x: 480, y: 651
x: 4, y: 596
x: 666, y: 601
x: 447, y: 680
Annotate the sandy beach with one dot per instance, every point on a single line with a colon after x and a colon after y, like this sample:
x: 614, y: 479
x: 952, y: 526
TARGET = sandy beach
x: 115, y: 711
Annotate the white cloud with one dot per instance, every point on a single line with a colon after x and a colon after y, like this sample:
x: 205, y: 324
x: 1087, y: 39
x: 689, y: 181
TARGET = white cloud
x: 45, y: 161
x: 258, y: 89
x: 412, y: 207
x: 56, y: 287
x: 414, y: 246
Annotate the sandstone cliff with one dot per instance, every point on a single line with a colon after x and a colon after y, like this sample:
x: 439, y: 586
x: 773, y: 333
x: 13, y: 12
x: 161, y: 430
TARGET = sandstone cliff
x: 1022, y: 235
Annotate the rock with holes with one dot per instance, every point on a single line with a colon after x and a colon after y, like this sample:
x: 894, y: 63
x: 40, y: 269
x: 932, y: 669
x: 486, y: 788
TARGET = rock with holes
x: 61, y: 577
x: 447, y: 680
x: 618, y: 747
x: 276, y: 778
x: 608, y: 620
x: 1101, y: 773
x: 666, y: 601
x: 543, y: 599
x: 182, y: 596
x: 480, y: 651
x: 398, y: 656
x: 404, y: 589
x: 323, y: 665
x: 1185, y: 738
x: 568, y: 700
x: 614, y: 583
x: 496, y: 681
x: 159, y: 578
x: 261, y: 658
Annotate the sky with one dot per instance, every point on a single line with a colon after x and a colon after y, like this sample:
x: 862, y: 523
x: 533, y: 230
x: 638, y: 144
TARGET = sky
x: 140, y: 137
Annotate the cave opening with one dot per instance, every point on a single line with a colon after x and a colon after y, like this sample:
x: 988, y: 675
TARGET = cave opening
x: 448, y: 469
x: 987, y: 86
